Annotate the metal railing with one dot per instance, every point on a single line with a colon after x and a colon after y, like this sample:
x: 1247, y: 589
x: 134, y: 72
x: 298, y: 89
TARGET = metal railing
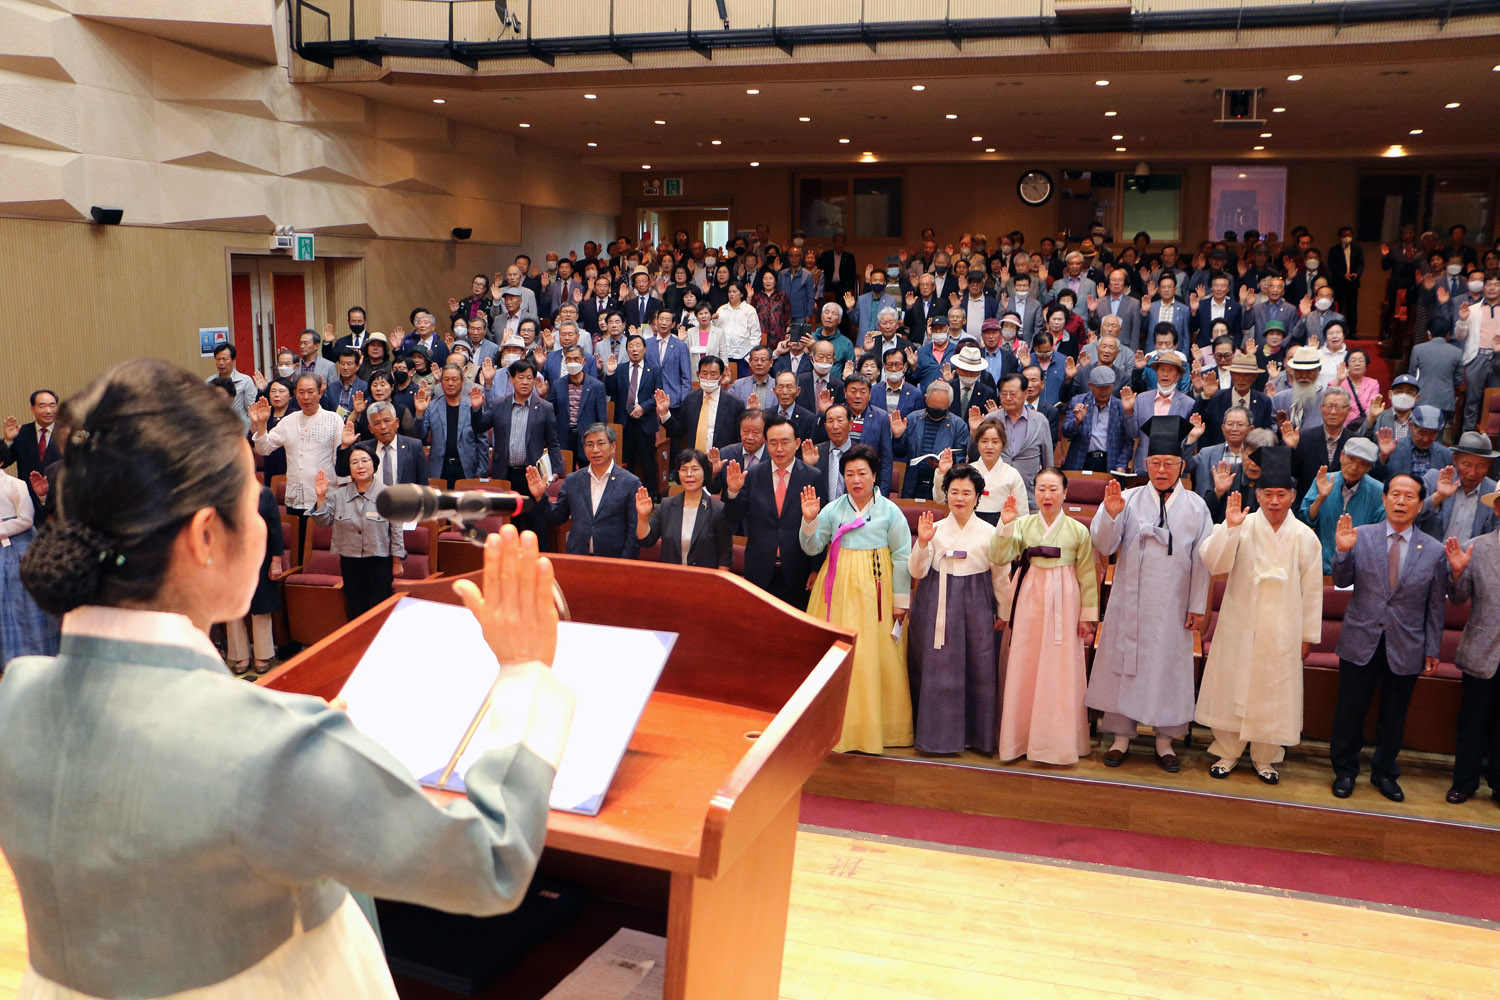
x: 468, y: 31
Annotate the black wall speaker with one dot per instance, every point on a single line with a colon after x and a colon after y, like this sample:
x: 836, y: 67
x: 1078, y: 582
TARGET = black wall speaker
x: 107, y: 216
x: 462, y: 232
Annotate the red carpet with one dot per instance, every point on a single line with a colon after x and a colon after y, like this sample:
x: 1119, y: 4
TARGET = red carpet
x: 1440, y: 890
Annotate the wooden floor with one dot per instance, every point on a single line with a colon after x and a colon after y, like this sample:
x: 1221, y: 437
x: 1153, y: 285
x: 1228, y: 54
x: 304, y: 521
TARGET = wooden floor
x: 878, y: 920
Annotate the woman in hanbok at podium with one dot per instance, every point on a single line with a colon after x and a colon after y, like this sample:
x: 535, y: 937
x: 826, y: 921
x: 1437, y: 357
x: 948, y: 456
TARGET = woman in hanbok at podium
x: 951, y: 652
x: 1052, y: 609
x: 209, y: 826
x: 865, y: 586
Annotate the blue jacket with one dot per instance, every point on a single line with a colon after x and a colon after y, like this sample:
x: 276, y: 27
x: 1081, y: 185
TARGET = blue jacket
x: 674, y: 371
x: 473, y: 453
x: 1178, y: 315
x: 541, y: 433
x: 929, y: 369
x: 1434, y: 520
x: 618, y: 387
x: 1203, y: 322
x: 867, y: 310
x: 1367, y: 506
x: 1117, y: 445
x: 611, y: 528
x: 552, y: 370
x: 954, y: 433
x: 798, y: 285
x: 876, y: 432
x: 591, y: 410
x: 1410, y: 618
x: 335, y: 389
x: 1401, y: 460
x: 911, y: 399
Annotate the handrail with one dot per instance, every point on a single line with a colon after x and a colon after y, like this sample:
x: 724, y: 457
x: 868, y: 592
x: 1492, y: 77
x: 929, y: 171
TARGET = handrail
x: 678, y: 31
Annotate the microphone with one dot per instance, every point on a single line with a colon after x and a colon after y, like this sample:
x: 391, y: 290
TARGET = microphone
x: 407, y: 502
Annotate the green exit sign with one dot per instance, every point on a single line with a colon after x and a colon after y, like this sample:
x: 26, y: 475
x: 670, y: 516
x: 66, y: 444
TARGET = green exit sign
x: 304, y: 246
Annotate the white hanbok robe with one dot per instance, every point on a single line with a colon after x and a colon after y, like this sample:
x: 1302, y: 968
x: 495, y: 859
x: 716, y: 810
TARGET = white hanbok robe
x: 1252, y: 683
x: 1143, y: 666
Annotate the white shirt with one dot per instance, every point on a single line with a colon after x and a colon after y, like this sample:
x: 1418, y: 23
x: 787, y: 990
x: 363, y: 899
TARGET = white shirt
x: 596, y: 488
x: 689, y: 519
x: 310, y: 444
x: 1331, y: 362
x: 16, y: 509
x: 975, y: 309
x: 741, y: 328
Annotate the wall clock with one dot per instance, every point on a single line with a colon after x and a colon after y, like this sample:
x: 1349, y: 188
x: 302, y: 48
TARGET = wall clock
x: 1035, y: 187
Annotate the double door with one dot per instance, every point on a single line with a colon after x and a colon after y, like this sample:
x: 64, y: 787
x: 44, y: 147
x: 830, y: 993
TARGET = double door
x: 272, y: 303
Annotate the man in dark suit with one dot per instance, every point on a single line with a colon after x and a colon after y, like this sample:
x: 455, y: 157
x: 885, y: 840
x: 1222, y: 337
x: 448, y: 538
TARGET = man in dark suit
x: 578, y: 400
x: 640, y: 310
x: 355, y: 338
x: 839, y: 272
x: 32, y: 446
x: 921, y: 307
x: 598, y: 501
x: 763, y: 506
x: 593, y: 310
x: 707, y: 418
x: 970, y: 388
x: 518, y: 448
x: 868, y: 424
x: 1392, y: 631
x: 1243, y: 371
x: 632, y: 386
x: 1095, y: 427
x: 785, y: 402
x: 1460, y: 489
x: 402, y: 459
x: 341, y: 392
x: 749, y: 451
x: 1316, y: 447
x: 928, y: 432
x: 1218, y: 304
x: 812, y: 383
x: 1346, y: 266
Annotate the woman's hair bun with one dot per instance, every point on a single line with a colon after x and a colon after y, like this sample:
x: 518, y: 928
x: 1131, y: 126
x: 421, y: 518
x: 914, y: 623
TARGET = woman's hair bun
x: 64, y: 568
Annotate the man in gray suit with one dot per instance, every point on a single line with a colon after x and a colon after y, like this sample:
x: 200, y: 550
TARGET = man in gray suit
x: 1453, y: 507
x: 1392, y: 631
x: 1028, y: 435
x: 1119, y: 302
x: 1475, y: 575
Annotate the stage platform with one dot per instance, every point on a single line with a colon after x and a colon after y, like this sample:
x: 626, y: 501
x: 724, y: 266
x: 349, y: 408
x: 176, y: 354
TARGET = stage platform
x: 1298, y: 814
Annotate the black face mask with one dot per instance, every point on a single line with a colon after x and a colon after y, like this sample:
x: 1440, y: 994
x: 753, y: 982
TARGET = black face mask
x: 401, y: 378
x: 941, y: 269
x: 936, y: 413
x: 356, y: 328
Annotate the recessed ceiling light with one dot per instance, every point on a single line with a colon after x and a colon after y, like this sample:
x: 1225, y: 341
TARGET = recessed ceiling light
x: 1495, y: 69
x: 918, y: 86
x: 1242, y: 176
x: 1110, y: 114
x: 645, y: 166
x: 590, y: 97
x: 1257, y: 148
x: 1395, y: 150
x: 1117, y: 138
x: 593, y: 145
x: 950, y: 117
x: 1277, y: 111
x: 755, y: 163
x: 1451, y: 105
x: 804, y: 118
x: 1101, y: 83
x: 526, y: 124
x: 1265, y: 135
x: 976, y: 138
x: 989, y: 149
x: 867, y: 153
x: 438, y: 100
x: 752, y: 91
x: 844, y: 142
x: 1415, y: 131
x: 660, y: 122
x: 1294, y: 77
x: 1119, y: 149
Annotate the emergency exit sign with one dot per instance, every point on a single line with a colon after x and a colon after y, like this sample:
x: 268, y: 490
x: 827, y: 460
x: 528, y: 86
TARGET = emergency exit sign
x: 304, y: 246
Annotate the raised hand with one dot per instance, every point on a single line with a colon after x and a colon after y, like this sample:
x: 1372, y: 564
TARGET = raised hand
x: 1290, y: 435
x: 422, y: 400
x: 1008, y: 511
x: 1447, y: 485
x: 1223, y: 478
x: 953, y: 298
x: 1199, y: 427
x: 849, y: 300
x: 452, y: 307
x: 476, y: 397
x: 11, y: 427
x: 1193, y: 299
x: 869, y: 341
x: 1305, y: 306
x: 1114, y: 499
x: 662, y: 400
x: 734, y: 477
x: 991, y: 406
x: 535, y: 484
x: 259, y: 380
x: 911, y: 299
x: 328, y: 334
x: 1442, y: 294
x: 487, y: 372
x: 1234, y: 511
x: 39, y: 484
x: 260, y: 412
x: 349, y: 435
x: 1323, y: 481
x: 643, y: 504
x: 1127, y: 399
x: 1080, y: 410
x: 359, y: 402
x: 577, y: 295
x: 1273, y: 368
x: 1344, y: 535
x: 1140, y: 360
x: 611, y: 363
x: 1023, y: 354
x: 825, y: 400
x: 1092, y: 300
x: 809, y: 452
x: 848, y: 369
x: 1377, y: 407
x: 926, y: 529
x: 715, y: 460
x: 753, y: 403
x: 974, y: 419
x: 947, y: 372
x: 945, y: 463
x: 515, y: 610
x: 1385, y: 440
x: 1070, y: 369
x: 810, y: 505
x: 1458, y: 556
x: 898, y: 423
x: 320, y: 486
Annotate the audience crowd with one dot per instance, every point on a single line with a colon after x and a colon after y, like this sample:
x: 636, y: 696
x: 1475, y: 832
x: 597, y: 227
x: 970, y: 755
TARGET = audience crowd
x: 802, y: 394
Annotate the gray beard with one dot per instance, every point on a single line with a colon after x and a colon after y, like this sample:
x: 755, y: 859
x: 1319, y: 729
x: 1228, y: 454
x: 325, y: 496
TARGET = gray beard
x: 1304, y: 396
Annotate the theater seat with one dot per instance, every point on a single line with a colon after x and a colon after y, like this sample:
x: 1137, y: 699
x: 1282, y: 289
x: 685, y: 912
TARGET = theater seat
x: 313, y: 597
x: 422, y: 555
x: 737, y: 563
x: 1087, y: 488
x: 898, y: 476
x: 457, y: 555
x: 914, y: 509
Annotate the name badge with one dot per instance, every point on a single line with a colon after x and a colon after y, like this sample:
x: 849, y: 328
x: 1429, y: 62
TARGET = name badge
x: 371, y: 515
x: 959, y: 554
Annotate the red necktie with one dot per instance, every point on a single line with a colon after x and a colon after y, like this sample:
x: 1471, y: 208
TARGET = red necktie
x: 41, y: 444
x: 780, y: 490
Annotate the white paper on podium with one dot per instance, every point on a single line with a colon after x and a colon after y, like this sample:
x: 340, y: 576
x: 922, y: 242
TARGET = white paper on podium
x: 629, y: 966
x: 427, y: 671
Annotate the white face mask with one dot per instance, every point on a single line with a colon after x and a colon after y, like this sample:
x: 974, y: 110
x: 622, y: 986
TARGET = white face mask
x: 460, y: 332
x: 895, y: 378
x: 552, y: 265
x: 1312, y: 265
x: 1324, y: 305
x: 822, y: 367
x: 967, y: 381
x: 285, y: 371
x: 1476, y: 287
x: 1455, y: 268
x: 940, y: 338
x: 709, y: 388
x: 506, y: 360
x: 573, y: 367
x: 798, y: 241
x: 1346, y: 240
x: 710, y: 261
x: 1402, y: 401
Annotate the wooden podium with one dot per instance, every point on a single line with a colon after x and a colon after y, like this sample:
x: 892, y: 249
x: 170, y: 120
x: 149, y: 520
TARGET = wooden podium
x: 696, y: 836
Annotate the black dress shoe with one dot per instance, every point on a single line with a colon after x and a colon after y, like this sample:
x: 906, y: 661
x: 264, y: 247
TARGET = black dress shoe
x: 1168, y: 762
x: 1456, y: 797
x: 1343, y: 786
x: 1388, y: 788
x: 1114, y: 758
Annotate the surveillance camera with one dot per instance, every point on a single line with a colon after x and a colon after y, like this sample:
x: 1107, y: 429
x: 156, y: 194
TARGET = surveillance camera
x: 1143, y: 169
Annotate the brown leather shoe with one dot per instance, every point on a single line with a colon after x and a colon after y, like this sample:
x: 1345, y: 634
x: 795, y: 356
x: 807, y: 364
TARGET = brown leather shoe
x: 1114, y: 758
x: 1456, y: 797
x: 1168, y: 762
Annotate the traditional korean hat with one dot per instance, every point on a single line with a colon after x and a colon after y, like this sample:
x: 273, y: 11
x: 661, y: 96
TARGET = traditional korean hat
x: 1275, y: 463
x: 1164, y: 434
